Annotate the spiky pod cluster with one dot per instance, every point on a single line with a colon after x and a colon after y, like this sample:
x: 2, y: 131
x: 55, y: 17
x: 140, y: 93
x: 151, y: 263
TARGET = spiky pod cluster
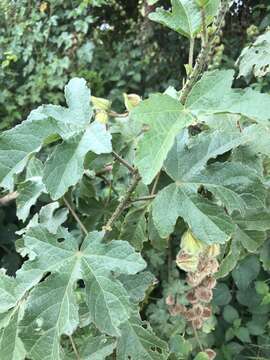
x: 200, y: 263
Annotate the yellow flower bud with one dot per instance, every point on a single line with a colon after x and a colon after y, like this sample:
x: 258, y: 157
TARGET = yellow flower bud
x: 102, y: 117
x: 100, y: 103
x: 131, y: 101
x: 191, y: 245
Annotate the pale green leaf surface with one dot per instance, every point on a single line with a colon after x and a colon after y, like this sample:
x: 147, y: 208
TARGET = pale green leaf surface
x: 65, y: 167
x: 94, y: 348
x: 185, y: 17
x: 137, y: 342
x: 213, y: 94
x: 11, y: 346
x: 164, y: 117
x: 134, y: 227
x: 51, y: 309
x: 255, y: 59
x: 17, y: 144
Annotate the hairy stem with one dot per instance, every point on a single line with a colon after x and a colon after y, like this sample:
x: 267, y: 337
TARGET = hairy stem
x: 201, y: 62
x: 191, y: 52
x: 144, y: 198
x: 74, y: 348
x: 76, y: 217
x: 123, y: 203
x: 123, y: 162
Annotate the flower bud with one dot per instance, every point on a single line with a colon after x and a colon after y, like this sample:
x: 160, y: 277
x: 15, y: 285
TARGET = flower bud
x: 209, y: 282
x: 177, y: 309
x: 191, y: 297
x: 100, y: 103
x: 197, y: 323
x: 131, y: 101
x: 186, y: 261
x: 170, y: 300
x: 191, y: 245
x: 207, y: 312
x: 210, y: 353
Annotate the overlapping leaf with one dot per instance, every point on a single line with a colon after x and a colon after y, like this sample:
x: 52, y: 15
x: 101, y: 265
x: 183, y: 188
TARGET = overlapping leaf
x: 232, y: 184
x: 185, y: 17
x: 45, y: 125
x: 51, y: 308
x: 254, y: 59
x: 213, y: 94
x: 163, y: 118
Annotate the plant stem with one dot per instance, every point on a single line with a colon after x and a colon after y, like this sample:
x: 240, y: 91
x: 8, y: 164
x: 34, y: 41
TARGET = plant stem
x: 204, y: 28
x: 123, y: 162
x: 144, y: 198
x: 75, y: 216
x: 197, y: 338
x: 191, y: 52
x: 155, y: 183
x: 8, y: 198
x: 123, y: 203
x: 202, y: 58
x: 74, y: 347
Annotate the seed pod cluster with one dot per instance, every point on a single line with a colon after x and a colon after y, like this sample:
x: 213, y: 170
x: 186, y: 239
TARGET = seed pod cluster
x: 200, y: 263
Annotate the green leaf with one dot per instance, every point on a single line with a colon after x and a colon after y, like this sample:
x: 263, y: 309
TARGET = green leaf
x: 185, y: 17
x: 164, y: 117
x: 243, y: 334
x: 134, y: 227
x: 11, y: 346
x: 201, y: 356
x: 261, y: 288
x: 51, y: 308
x: 213, y: 94
x: 95, y: 347
x: 230, y: 314
x: 222, y: 295
x: 138, y: 342
x: 71, y: 120
x: 231, y: 259
x: 254, y: 59
x: 208, y: 222
x: 230, y: 183
x: 30, y: 190
x: 65, y: 167
x: 246, y: 271
x: 17, y: 145
x: 265, y: 255
x: 137, y: 285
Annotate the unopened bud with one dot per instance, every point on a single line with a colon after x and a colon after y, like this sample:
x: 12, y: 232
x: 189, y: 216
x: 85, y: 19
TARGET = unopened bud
x: 197, y: 323
x: 131, y: 101
x: 170, y: 300
x: 204, y: 294
x: 210, y: 353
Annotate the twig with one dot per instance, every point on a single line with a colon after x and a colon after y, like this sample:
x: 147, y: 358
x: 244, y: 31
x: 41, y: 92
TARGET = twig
x: 155, y: 183
x: 115, y: 114
x: 191, y: 52
x: 201, y: 61
x: 123, y: 203
x: 75, y: 216
x: 108, y: 183
x: 123, y: 162
x: 8, y: 198
x: 204, y: 28
x: 74, y: 347
x: 197, y: 338
x: 144, y: 198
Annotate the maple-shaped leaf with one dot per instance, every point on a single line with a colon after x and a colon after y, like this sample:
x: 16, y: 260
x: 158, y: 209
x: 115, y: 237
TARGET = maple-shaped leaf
x: 51, y: 308
x: 65, y: 167
x: 185, y: 17
x: 213, y: 94
x: 163, y: 117
x: 229, y: 182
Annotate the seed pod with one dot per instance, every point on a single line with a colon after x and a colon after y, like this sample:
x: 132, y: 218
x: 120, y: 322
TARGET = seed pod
x: 170, y: 300
x: 210, y: 353
x: 198, y: 310
x: 204, y: 294
x: 209, y: 282
x: 186, y: 261
x: 207, y: 312
x: 197, y: 323
x: 177, y: 309
x: 191, y: 245
x: 191, y: 297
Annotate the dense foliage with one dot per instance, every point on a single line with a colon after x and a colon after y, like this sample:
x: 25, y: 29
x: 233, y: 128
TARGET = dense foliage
x: 141, y: 233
